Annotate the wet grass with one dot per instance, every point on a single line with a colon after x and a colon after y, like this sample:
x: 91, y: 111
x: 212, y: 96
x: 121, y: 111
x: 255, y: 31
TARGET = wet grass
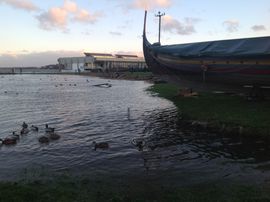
x: 85, y: 190
x: 228, y: 109
x: 139, y: 75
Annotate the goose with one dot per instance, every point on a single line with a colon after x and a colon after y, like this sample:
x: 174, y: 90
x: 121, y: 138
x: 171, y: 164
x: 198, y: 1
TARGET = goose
x: 54, y: 136
x: 43, y: 139
x: 24, y: 131
x: 34, y: 128
x: 100, y: 145
x: 9, y: 141
x: 24, y: 125
x: 48, y: 129
x: 138, y: 143
x: 15, y: 136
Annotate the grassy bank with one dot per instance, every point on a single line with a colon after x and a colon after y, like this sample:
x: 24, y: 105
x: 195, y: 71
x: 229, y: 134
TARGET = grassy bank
x: 222, y: 109
x: 85, y: 190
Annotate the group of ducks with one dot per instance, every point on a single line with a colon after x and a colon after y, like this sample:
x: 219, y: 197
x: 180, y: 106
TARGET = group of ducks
x: 49, y: 135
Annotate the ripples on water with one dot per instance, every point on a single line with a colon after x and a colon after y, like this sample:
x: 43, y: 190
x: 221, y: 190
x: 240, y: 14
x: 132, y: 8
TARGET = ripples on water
x: 82, y: 113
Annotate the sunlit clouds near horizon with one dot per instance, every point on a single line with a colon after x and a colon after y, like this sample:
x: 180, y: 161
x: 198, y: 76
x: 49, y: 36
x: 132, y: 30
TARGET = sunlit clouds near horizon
x: 36, y: 33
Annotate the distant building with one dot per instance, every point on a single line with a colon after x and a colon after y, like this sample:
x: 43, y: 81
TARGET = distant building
x: 74, y: 64
x: 102, y: 62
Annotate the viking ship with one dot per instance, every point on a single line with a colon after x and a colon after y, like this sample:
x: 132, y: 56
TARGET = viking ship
x: 237, y: 61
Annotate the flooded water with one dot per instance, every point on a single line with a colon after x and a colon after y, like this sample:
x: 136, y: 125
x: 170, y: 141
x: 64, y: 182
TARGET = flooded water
x: 144, y: 139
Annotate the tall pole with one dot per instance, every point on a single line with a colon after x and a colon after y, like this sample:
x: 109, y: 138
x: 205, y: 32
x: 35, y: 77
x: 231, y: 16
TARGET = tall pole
x: 159, y: 15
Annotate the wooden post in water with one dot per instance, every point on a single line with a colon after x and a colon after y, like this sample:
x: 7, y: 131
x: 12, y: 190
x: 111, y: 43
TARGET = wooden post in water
x: 128, y: 113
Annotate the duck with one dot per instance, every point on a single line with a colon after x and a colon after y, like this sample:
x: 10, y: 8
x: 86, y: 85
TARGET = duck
x: 9, y: 141
x: 15, y: 135
x: 24, y: 125
x: 100, y: 145
x: 24, y: 131
x: 54, y: 136
x: 43, y: 139
x: 138, y: 143
x: 34, y: 128
x: 48, y: 129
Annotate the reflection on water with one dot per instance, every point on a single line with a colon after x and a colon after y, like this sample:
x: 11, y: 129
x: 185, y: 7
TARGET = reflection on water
x: 142, y: 132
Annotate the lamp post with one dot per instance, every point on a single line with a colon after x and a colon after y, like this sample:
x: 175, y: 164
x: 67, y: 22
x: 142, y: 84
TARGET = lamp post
x: 159, y: 15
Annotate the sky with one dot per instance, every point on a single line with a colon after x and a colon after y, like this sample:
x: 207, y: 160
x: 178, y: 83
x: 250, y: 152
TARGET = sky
x: 36, y: 33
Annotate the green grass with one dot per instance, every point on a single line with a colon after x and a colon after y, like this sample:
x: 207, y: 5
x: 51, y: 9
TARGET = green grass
x: 139, y: 75
x: 85, y: 190
x: 228, y: 109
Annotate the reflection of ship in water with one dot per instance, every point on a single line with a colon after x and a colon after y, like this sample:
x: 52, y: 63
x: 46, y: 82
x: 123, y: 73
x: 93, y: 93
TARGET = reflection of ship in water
x: 166, y: 145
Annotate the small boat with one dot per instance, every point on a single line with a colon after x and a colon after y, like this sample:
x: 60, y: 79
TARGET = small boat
x: 235, y: 62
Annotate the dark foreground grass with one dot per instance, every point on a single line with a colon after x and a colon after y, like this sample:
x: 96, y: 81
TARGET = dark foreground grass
x: 228, y: 109
x: 85, y: 190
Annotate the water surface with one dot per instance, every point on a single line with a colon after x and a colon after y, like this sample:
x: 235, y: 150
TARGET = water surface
x: 82, y: 113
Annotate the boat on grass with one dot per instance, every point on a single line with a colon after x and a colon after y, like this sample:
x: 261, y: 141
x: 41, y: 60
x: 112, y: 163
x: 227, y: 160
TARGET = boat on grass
x: 236, y: 62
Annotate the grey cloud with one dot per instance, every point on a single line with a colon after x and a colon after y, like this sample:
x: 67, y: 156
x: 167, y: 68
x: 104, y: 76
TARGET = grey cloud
x: 258, y: 28
x: 231, y: 25
x: 116, y: 33
x: 187, y: 27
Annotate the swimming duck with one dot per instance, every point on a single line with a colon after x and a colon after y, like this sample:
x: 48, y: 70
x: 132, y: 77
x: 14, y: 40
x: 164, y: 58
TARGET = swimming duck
x: 9, y: 141
x: 54, y: 136
x: 100, y: 145
x: 16, y: 136
x: 34, y: 128
x: 43, y: 139
x: 24, y: 131
x: 24, y: 125
x: 138, y: 143
x: 48, y: 129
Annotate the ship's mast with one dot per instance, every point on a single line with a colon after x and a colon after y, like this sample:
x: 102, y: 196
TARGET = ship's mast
x: 159, y: 15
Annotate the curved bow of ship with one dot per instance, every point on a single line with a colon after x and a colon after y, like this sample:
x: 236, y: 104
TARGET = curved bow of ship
x: 150, y: 55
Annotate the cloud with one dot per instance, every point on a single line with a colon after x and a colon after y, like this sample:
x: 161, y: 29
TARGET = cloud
x: 85, y: 17
x: 59, y: 17
x: 183, y: 28
x: 258, y: 28
x: 54, y: 18
x: 21, y: 4
x: 150, y: 4
x: 116, y: 33
x: 231, y: 25
x: 70, y: 6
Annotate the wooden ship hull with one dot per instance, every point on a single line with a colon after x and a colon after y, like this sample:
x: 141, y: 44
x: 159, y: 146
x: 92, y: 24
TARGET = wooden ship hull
x: 237, y: 61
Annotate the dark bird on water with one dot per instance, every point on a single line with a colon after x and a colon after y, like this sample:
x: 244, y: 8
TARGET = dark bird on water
x: 100, y: 145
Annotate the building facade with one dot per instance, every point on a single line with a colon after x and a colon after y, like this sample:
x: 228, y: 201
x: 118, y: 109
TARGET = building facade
x: 102, y: 62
